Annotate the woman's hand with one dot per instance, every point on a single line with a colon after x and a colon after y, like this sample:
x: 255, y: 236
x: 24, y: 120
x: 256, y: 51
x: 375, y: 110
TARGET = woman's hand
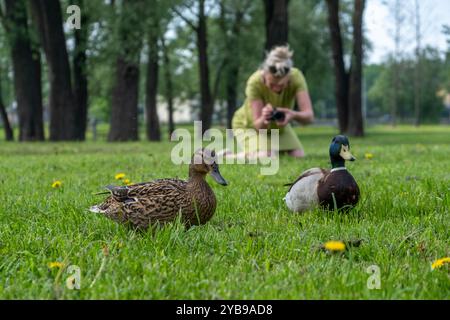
x: 288, y: 116
x: 266, y: 113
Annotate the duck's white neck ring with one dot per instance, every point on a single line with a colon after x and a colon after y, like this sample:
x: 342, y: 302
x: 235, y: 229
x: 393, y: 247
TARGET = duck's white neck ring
x: 338, y: 169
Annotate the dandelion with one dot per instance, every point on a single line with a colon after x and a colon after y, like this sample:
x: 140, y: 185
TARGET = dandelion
x: 368, y: 156
x: 119, y: 176
x: 55, y: 264
x: 440, y: 262
x: 126, y: 181
x: 334, y: 246
x: 56, y: 184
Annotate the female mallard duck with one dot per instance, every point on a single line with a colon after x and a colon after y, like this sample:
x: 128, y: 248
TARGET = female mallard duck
x: 160, y: 201
x: 333, y: 188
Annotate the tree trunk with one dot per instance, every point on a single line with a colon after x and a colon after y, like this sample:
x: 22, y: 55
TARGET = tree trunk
x: 202, y: 46
x: 9, y: 134
x: 233, y: 68
x: 355, y: 122
x: 125, y: 94
x: 276, y: 22
x: 169, y: 87
x: 398, y: 18
x: 124, y: 110
x: 341, y: 76
x: 153, y: 130
x: 80, y: 76
x: 62, y: 105
x: 417, y: 69
x: 232, y: 54
x: 395, y: 90
x: 27, y: 72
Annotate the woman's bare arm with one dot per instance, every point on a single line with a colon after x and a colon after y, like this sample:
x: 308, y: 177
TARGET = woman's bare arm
x: 306, y: 113
x: 304, y: 116
x: 261, y: 114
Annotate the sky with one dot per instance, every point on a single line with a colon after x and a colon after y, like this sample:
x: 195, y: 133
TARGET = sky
x: 379, y: 26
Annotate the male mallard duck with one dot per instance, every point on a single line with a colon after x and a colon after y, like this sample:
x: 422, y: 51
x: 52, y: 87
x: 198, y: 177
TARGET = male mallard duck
x: 328, y: 188
x: 161, y: 200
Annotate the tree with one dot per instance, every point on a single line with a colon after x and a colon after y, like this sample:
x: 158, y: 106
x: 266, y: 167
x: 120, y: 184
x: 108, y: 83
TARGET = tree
x: 276, y: 12
x: 153, y: 130
x: 348, y: 88
x: 9, y: 134
x: 47, y: 14
x: 169, y: 94
x: 80, y: 81
x: 418, y: 71
x: 125, y: 93
x: 27, y: 71
x: 355, y: 121
x: 398, y: 16
x: 433, y: 76
x: 341, y: 76
x: 199, y: 26
x: 231, y: 22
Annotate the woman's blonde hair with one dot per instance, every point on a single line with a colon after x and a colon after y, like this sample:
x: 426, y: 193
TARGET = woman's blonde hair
x: 278, y: 61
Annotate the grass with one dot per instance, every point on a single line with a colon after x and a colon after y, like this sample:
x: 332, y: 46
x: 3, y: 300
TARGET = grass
x: 253, y: 248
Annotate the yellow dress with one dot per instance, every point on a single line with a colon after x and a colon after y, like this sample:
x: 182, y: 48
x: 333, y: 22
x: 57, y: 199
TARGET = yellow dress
x: 249, y: 140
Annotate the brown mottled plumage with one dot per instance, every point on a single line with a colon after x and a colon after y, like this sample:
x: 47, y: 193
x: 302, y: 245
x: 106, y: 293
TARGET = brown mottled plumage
x: 161, y: 201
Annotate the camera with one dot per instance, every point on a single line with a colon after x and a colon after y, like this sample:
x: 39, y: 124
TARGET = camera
x: 277, y: 115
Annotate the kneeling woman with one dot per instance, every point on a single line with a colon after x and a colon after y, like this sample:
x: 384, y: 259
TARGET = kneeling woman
x: 271, y: 93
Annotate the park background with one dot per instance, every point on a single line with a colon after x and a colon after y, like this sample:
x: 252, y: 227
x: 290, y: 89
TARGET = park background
x: 136, y: 66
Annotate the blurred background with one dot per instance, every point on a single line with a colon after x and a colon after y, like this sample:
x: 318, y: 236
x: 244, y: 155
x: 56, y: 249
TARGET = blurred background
x: 136, y: 69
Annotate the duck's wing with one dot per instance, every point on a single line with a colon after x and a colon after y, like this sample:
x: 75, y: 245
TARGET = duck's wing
x: 147, y: 189
x: 308, y: 173
x: 144, y: 203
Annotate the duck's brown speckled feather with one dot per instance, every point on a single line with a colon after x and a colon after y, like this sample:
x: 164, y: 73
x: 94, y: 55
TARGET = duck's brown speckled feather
x: 160, y: 201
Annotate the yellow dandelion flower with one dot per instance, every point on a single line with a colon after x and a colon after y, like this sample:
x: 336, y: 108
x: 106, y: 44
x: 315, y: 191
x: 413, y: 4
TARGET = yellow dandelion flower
x: 334, y: 246
x: 126, y: 181
x: 55, y: 264
x: 440, y: 262
x: 119, y: 176
x: 56, y: 184
x: 368, y: 156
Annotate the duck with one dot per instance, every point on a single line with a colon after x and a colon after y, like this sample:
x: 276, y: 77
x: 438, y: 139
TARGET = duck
x: 161, y: 201
x: 333, y: 188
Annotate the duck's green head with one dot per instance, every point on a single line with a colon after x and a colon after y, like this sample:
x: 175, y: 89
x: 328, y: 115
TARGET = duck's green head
x: 340, y: 151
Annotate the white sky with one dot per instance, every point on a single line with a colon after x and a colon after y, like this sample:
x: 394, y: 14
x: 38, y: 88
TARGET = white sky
x: 379, y: 26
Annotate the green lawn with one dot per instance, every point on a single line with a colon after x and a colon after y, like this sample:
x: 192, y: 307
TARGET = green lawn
x: 253, y: 248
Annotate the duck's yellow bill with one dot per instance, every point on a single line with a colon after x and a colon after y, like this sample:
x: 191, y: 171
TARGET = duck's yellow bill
x: 346, y: 154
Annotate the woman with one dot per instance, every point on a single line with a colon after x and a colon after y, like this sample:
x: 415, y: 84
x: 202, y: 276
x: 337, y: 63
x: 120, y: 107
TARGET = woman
x: 274, y: 87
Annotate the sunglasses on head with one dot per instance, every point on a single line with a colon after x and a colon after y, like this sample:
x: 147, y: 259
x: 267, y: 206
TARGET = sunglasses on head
x: 279, y: 72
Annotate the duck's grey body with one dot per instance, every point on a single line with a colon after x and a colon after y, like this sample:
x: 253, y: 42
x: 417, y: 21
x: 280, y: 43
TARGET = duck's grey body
x: 302, y: 194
